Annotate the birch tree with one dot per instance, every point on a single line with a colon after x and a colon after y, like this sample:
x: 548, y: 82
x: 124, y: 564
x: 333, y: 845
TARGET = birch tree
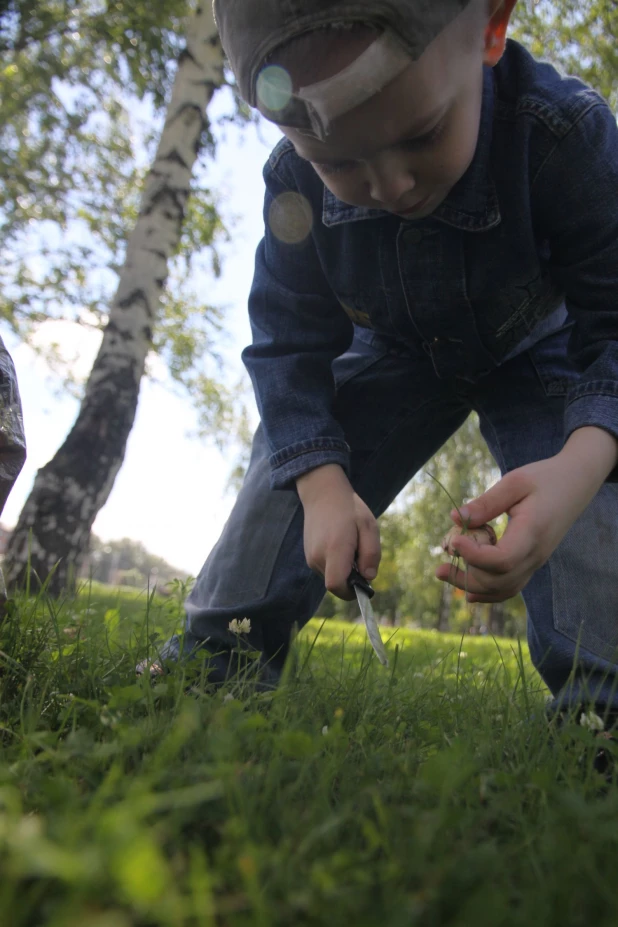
x: 69, y: 179
x: 54, y: 527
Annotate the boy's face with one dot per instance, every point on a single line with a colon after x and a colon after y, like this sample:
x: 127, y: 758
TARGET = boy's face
x: 404, y: 149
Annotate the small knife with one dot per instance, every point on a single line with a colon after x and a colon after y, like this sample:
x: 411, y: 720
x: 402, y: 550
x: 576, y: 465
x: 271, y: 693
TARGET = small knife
x: 365, y: 593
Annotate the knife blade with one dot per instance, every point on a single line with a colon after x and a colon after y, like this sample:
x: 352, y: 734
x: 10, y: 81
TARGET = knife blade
x: 364, y: 594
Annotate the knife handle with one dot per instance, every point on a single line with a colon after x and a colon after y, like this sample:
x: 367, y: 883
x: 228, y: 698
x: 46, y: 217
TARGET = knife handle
x: 357, y: 579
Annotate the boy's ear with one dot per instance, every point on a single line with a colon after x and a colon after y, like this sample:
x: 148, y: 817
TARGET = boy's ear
x: 495, y: 33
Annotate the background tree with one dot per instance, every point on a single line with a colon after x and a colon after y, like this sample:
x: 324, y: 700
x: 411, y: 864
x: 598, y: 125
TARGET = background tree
x: 128, y: 563
x: 577, y: 35
x: 74, y: 154
x: 54, y: 527
x: 66, y: 153
x: 463, y: 469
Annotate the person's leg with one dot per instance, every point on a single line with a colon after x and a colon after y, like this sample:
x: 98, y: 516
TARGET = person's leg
x: 572, y: 601
x: 12, y: 439
x: 396, y: 414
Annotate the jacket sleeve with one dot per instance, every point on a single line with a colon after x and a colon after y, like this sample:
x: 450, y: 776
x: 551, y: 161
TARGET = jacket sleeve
x: 298, y: 329
x: 577, y: 189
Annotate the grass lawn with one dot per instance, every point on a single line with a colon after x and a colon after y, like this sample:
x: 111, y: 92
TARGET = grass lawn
x: 426, y: 793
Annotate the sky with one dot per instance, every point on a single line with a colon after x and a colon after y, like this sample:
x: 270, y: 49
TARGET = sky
x: 171, y: 493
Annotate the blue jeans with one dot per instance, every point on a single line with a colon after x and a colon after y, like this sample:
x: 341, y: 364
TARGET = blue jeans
x: 396, y: 414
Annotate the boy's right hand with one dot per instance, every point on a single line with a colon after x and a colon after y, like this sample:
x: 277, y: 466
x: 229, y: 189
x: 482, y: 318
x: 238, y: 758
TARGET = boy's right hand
x: 339, y: 529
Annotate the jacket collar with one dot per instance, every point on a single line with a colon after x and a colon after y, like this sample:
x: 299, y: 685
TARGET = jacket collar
x: 472, y: 205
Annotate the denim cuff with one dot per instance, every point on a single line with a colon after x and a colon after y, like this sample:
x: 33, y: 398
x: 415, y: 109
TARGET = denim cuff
x: 293, y: 461
x: 595, y: 409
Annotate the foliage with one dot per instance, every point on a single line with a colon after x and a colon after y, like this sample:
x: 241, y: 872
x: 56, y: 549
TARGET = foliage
x: 82, y: 90
x: 127, y: 562
x: 577, y: 35
x: 134, y: 36
x: 64, y: 68
x: 429, y: 793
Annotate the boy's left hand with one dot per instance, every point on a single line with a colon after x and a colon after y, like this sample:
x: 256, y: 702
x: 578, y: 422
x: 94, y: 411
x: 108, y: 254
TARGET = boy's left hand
x: 542, y: 499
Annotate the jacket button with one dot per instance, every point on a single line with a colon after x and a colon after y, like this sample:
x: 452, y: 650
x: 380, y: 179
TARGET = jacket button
x: 414, y: 236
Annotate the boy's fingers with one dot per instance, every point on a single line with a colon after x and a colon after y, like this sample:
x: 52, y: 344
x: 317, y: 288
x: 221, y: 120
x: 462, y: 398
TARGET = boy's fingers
x: 339, y: 563
x: 340, y: 560
x: 482, y: 556
x: 493, y: 503
x: 459, y: 579
x: 369, y: 551
x: 512, y: 550
x: 475, y: 590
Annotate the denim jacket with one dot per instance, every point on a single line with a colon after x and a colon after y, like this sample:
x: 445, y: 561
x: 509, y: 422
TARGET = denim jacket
x: 526, y: 240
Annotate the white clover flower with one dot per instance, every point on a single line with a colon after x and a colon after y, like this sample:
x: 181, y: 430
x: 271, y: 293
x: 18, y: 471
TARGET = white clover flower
x: 325, y: 729
x: 592, y: 721
x: 228, y: 697
x: 462, y: 654
x: 240, y: 627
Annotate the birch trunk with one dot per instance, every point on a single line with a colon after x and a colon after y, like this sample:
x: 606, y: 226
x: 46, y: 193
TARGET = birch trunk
x: 52, y: 535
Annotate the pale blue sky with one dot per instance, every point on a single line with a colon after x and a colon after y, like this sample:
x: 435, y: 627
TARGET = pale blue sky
x: 171, y: 491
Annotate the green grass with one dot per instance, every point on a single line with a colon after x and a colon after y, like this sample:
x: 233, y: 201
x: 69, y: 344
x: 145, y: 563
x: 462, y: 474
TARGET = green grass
x: 427, y: 793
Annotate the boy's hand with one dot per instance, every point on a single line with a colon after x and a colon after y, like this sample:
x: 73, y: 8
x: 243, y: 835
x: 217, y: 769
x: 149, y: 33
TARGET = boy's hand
x: 542, y: 499
x: 339, y: 529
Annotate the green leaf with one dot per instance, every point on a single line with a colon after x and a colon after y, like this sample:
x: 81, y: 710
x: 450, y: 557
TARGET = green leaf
x: 111, y: 619
x: 141, y: 871
x: 124, y: 696
x: 297, y: 745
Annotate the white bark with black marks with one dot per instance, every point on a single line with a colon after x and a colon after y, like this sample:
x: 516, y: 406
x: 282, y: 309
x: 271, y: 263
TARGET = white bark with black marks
x: 54, y: 526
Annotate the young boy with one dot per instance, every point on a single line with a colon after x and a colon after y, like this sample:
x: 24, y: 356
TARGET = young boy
x: 441, y: 236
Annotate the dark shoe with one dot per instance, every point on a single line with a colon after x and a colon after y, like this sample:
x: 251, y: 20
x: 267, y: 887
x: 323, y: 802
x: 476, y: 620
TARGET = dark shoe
x: 174, y: 650
x: 147, y: 666
x: 606, y: 759
x: 603, y: 727
x: 223, y: 665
